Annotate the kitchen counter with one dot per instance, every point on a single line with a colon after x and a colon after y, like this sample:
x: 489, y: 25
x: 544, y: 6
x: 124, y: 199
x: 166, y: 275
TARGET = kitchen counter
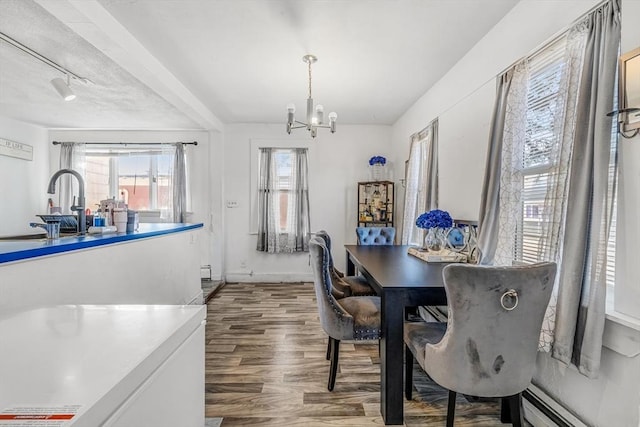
x: 16, y: 250
x: 158, y: 264
x: 122, y: 365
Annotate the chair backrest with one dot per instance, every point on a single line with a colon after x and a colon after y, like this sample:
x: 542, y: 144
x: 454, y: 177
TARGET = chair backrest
x: 327, y: 242
x: 375, y: 235
x: 335, y: 321
x: 489, y: 350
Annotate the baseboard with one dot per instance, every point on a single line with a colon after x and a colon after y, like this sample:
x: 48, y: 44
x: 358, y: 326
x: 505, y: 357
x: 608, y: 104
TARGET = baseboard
x: 197, y: 299
x: 541, y: 410
x: 268, y: 277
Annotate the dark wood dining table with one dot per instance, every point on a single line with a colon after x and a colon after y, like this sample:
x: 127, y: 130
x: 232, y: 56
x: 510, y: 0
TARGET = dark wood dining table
x: 401, y: 280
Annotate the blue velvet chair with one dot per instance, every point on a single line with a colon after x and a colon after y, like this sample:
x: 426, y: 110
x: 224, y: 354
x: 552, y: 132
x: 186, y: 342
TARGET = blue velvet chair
x: 349, y: 318
x: 489, y: 346
x: 375, y: 235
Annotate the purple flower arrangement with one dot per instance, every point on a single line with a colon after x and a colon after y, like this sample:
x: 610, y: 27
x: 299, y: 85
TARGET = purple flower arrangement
x: 377, y: 160
x: 434, y: 219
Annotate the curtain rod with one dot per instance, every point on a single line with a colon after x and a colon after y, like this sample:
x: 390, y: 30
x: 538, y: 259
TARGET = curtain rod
x: 126, y: 143
x: 557, y: 36
x: 532, y: 52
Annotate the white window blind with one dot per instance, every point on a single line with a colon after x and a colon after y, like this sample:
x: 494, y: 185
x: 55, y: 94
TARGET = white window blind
x: 543, y: 127
x: 545, y: 114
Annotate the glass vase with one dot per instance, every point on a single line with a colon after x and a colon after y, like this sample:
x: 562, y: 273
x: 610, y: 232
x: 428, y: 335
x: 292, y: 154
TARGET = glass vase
x: 378, y: 172
x: 434, y: 239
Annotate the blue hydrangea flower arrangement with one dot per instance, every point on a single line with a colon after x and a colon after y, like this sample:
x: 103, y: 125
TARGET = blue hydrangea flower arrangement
x: 377, y: 160
x: 434, y: 219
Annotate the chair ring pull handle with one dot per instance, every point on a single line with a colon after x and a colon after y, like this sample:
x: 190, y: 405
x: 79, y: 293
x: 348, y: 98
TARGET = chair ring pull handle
x: 511, y: 293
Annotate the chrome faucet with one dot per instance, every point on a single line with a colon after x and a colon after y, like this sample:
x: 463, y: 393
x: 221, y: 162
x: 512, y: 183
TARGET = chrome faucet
x: 52, y: 228
x: 82, y: 216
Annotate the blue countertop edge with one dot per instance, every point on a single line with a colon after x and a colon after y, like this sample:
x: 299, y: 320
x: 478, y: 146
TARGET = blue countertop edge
x: 26, y: 249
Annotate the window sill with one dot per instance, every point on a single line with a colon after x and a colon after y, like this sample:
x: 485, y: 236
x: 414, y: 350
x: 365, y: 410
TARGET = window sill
x: 621, y: 331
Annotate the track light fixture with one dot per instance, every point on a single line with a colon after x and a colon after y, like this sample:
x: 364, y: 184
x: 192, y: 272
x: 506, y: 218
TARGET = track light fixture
x: 64, y: 89
x: 61, y: 86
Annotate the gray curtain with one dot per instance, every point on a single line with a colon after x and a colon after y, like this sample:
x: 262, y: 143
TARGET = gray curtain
x: 489, y: 202
x: 421, y: 182
x: 72, y: 156
x: 179, y: 187
x: 65, y: 183
x: 580, y: 310
x: 581, y: 299
x: 283, y: 201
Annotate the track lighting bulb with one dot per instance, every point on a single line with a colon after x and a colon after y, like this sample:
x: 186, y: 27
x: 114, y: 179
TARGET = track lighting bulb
x: 63, y: 88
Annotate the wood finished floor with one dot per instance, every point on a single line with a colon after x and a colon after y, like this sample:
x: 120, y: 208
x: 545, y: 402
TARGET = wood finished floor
x: 266, y: 366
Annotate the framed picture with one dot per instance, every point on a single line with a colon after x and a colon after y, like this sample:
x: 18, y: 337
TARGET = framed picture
x: 629, y: 95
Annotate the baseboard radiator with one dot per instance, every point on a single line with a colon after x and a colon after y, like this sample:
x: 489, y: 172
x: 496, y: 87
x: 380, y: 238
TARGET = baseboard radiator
x: 540, y: 409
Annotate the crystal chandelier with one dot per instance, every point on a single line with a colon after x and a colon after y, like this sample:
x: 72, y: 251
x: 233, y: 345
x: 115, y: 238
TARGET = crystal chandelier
x: 314, y: 121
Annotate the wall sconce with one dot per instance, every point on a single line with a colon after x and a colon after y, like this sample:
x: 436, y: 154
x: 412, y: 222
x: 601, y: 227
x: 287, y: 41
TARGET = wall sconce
x: 628, y: 116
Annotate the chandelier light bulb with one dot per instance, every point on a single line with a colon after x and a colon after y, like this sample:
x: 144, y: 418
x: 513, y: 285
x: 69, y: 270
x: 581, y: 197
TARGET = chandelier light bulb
x: 319, y: 114
x: 333, y: 116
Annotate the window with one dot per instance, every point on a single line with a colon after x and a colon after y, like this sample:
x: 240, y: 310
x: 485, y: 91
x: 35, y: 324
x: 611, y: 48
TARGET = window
x: 543, y: 122
x: 283, y: 200
x: 540, y: 167
x: 142, y: 179
x: 421, y: 182
x: 283, y: 184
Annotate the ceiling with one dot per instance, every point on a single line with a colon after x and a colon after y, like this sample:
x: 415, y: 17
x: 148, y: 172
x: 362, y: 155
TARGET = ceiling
x: 198, y: 64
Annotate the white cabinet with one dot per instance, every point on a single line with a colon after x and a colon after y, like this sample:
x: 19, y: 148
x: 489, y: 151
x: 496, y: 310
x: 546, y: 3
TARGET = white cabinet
x: 106, y: 365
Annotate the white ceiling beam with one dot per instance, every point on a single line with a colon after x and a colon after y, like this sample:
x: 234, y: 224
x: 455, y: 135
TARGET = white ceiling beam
x: 90, y: 20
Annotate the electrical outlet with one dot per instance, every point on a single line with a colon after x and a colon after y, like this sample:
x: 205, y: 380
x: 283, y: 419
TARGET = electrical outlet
x: 243, y: 264
x: 232, y: 203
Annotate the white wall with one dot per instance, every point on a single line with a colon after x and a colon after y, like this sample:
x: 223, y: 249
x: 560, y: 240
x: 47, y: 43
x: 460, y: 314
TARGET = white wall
x: 463, y: 100
x: 204, y: 177
x: 23, y: 183
x: 337, y: 162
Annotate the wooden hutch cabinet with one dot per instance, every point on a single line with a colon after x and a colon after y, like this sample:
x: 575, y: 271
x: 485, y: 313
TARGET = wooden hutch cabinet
x: 375, y: 204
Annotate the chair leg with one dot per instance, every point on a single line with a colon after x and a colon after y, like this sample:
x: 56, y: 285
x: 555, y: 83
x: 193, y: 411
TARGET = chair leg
x: 451, y: 408
x: 515, y: 406
x: 333, y: 370
x: 408, y: 373
x: 329, y: 342
x: 505, y: 410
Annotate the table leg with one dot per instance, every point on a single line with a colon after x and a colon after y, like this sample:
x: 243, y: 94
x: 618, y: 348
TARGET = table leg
x: 391, y: 358
x: 351, y: 268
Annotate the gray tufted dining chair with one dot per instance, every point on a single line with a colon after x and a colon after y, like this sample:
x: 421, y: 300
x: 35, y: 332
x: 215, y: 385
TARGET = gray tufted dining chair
x: 344, y: 286
x: 488, y: 347
x: 350, y: 318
